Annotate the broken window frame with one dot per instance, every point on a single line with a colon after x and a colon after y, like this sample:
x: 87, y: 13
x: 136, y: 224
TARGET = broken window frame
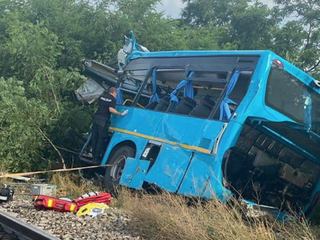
x: 187, y: 69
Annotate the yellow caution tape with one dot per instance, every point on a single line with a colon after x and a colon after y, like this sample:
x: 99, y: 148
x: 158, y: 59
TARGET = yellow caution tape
x: 54, y: 170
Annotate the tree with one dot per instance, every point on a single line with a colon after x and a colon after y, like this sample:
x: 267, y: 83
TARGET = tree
x: 35, y: 95
x: 240, y: 24
x: 218, y: 12
x: 252, y: 27
x: 307, y: 14
x: 288, y: 40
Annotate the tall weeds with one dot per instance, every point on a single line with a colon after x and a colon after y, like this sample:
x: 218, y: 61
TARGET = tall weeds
x: 168, y: 216
x: 72, y: 185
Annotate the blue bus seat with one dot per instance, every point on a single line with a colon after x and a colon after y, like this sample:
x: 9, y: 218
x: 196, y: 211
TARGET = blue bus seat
x: 163, y: 104
x: 204, y: 108
x: 152, y: 105
x: 185, y: 106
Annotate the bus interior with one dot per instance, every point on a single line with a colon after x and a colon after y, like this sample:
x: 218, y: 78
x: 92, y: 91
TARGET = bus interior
x: 208, y: 83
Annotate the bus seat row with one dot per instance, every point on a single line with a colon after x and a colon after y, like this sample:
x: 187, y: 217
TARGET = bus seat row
x: 163, y: 105
x: 186, y: 106
x: 152, y: 105
x: 204, y: 108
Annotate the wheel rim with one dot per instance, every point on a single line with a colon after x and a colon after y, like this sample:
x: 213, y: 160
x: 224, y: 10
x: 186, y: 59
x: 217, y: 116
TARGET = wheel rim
x: 117, y: 169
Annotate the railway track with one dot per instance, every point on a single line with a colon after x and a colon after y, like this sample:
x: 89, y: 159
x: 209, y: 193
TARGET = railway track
x: 15, y: 229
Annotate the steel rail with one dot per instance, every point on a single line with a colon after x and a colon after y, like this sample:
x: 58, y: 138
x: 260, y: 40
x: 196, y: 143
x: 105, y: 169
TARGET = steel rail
x: 23, y: 230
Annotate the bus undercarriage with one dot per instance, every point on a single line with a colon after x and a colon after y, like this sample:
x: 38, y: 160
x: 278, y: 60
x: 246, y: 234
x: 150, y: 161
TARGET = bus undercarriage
x: 265, y: 171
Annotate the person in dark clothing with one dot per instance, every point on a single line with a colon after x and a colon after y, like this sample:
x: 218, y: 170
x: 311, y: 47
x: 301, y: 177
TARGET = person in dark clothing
x: 101, y: 121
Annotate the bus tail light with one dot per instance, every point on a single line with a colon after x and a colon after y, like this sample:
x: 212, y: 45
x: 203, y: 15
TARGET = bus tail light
x: 278, y: 63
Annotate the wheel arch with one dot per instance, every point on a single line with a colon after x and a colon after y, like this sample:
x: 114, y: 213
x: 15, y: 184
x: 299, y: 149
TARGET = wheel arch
x: 128, y: 143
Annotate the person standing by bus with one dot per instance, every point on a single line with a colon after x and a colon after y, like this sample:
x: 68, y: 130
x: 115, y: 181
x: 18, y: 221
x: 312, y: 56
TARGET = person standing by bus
x: 101, y: 121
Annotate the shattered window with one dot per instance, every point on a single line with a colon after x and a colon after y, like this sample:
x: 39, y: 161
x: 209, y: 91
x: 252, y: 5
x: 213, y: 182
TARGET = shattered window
x: 132, y: 80
x: 131, y: 83
x: 315, y: 113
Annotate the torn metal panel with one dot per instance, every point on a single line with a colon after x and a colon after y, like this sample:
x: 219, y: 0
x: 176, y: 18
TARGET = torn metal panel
x: 103, y: 74
x: 264, y: 166
x: 298, y: 134
x: 197, y: 177
x: 89, y: 91
x: 169, y: 168
x: 203, y: 178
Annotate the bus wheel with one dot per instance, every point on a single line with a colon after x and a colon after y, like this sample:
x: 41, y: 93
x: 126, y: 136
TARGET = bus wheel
x: 113, y: 173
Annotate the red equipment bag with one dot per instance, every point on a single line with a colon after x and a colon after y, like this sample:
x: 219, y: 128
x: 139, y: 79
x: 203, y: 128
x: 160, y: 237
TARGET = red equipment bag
x: 98, y: 197
x: 48, y: 202
x: 63, y: 205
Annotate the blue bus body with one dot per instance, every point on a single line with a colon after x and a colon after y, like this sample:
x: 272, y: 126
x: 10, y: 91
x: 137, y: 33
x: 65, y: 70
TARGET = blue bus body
x: 249, y: 128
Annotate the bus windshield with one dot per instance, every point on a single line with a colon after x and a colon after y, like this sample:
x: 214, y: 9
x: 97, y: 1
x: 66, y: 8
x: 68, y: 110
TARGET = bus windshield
x: 291, y: 97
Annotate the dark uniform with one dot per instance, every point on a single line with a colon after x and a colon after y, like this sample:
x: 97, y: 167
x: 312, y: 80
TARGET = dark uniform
x: 101, y: 122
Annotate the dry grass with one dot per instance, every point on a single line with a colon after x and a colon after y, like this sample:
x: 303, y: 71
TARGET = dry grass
x: 72, y: 185
x: 167, y: 216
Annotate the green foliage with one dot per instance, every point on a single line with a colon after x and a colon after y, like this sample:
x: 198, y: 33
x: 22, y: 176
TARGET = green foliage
x: 252, y: 27
x: 307, y: 14
x: 27, y: 46
x: 242, y: 24
x: 21, y: 118
x: 35, y: 95
x: 288, y: 41
x: 219, y: 12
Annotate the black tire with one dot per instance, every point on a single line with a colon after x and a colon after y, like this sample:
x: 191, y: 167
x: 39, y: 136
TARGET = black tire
x: 113, y: 174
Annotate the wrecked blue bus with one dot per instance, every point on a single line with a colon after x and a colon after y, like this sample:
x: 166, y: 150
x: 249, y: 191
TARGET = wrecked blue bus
x: 217, y: 124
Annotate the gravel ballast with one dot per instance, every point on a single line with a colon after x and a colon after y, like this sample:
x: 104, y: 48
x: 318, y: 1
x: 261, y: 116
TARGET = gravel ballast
x: 112, y: 224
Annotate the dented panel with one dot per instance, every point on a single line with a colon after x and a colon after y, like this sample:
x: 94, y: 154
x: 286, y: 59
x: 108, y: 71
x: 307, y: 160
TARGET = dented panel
x: 134, y: 172
x: 169, y: 128
x: 202, y: 177
x: 169, y: 168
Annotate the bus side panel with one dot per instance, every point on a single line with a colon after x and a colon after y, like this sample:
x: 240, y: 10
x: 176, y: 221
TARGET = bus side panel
x: 203, y: 177
x: 167, y: 127
x: 169, y: 168
x: 134, y: 172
